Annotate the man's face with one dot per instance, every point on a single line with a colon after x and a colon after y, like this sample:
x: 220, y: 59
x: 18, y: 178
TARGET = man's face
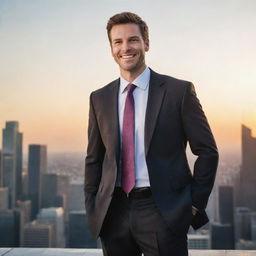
x: 128, y: 47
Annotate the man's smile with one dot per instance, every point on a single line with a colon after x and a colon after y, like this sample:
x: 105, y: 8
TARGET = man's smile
x: 127, y: 56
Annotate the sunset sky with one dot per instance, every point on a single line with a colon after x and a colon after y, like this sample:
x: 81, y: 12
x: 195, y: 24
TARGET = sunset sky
x: 53, y: 53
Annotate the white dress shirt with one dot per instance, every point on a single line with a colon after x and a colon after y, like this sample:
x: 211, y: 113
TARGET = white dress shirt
x: 140, y: 95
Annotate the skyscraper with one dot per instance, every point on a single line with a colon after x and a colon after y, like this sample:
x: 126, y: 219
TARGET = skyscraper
x: 3, y: 198
x: 55, y: 191
x: 10, y: 228
x: 19, y: 158
x: 248, y: 170
x: 12, y: 161
x: 253, y: 226
x: 76, y: 196
x: 226, y: 204
x: 37, y: 162
x: 242, y: 224
x: 1, y: 169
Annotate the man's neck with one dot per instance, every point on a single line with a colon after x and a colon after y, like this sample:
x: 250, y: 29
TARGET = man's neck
x: 130, y: 76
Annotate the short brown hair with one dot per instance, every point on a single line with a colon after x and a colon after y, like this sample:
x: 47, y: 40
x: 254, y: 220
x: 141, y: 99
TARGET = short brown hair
x: 128, y: 17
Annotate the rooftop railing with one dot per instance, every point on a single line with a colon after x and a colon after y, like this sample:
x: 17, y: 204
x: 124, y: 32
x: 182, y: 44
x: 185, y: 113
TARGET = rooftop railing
x: 98, y: 252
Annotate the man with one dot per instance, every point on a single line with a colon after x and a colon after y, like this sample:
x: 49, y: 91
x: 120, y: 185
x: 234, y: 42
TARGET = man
x: 140, y: 194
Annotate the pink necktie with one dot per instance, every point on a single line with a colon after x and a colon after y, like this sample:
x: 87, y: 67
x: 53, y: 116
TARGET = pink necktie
x: 128, y: 160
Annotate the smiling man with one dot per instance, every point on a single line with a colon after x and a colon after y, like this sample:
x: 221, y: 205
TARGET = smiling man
x: 140, y: 194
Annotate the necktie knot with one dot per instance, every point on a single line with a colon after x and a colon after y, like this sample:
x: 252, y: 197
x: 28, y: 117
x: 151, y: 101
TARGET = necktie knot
x: 131, y: 88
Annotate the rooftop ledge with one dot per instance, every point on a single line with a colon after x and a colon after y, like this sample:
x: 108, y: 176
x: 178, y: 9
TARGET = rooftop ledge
x: 98, y: 252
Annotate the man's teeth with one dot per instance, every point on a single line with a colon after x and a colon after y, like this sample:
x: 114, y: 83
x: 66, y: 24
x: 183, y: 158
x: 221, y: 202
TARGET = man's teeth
x: 127, y: 56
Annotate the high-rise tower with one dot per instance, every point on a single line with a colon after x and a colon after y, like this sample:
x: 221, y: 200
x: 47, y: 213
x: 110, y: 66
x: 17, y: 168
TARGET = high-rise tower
x: 37, y: 162
x: 12, y: 161
x: 248, y: 170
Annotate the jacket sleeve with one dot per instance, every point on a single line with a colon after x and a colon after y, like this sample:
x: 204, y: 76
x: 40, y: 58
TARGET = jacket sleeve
x: 94, y: 157
x: 202, y: 144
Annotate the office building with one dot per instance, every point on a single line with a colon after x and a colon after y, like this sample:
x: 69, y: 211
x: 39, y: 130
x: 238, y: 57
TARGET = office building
x: 3, y: 198
x: 37, y: 162
x: 198, y: 241
x: 25, y: 186
x: 248, y: 171
x: 55, y: 191
x: 246, y: 245
x: 1, y: 169
x: 253, y: 226
x: 19, y: 159
x: 79, y: 234
x: 12, y: 161
x: 226, y: 204
x: 242, y: 224
x: 222, y: 236
x: 76, y: 195
x: 25, y: 208
x: 54, y: 216
x: 38, y: 235
x: 10, y: 228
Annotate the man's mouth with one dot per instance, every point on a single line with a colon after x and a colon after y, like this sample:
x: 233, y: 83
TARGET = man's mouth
x: 127, y: 56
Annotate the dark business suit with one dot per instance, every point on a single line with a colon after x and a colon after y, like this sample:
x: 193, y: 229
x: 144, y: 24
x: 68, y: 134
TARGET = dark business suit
x: 173, y: 117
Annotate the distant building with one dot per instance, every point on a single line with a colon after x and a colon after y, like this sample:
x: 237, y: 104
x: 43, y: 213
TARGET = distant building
x: 1, y: 169
x: 37, y: 164
x: 79, y: 235
x: 54, y: 216
x: 76, y: 195
x: 38, y: 235
x: 222, y: 236
x: 3, y: 198
x: 242, y: 223
x: 55, y: 188
x: 248, y: 171
x: 253, y: 226
x: 10, y: 228
x: 25, y: 186
x: 25, y: 207
x: 246, y: 245
x: 19, y: 158
x: 226, y: 204
x: 12, y: 161
x: 199, y: 241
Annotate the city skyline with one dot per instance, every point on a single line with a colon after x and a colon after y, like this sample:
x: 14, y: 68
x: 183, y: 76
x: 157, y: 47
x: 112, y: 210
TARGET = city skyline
x: 51, y: 199
x: 53, y: 51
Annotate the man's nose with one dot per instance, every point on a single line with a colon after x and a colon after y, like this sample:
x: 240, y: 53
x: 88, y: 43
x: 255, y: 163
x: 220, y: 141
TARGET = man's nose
x: 126, y: 46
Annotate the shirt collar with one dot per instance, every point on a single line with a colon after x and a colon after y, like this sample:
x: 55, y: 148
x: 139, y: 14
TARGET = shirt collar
x: 141, y: 81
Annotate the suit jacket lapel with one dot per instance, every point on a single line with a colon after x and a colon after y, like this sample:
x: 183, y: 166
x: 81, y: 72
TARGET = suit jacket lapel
x: 155, y: 98
x: 111, y: 113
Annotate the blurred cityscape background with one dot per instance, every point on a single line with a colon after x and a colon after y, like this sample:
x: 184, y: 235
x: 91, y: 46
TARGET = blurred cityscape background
x: 42, y: 201
x: 54, y: 53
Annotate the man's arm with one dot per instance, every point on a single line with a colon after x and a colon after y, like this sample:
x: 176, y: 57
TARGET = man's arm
x: 95, y: 156
x: 202, y: 144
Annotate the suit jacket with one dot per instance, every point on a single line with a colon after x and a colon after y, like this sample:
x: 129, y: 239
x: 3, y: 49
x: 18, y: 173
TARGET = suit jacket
x: 174, y: 117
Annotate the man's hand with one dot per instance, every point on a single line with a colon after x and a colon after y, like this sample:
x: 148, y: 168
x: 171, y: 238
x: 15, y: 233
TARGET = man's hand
x: 194, y: 211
